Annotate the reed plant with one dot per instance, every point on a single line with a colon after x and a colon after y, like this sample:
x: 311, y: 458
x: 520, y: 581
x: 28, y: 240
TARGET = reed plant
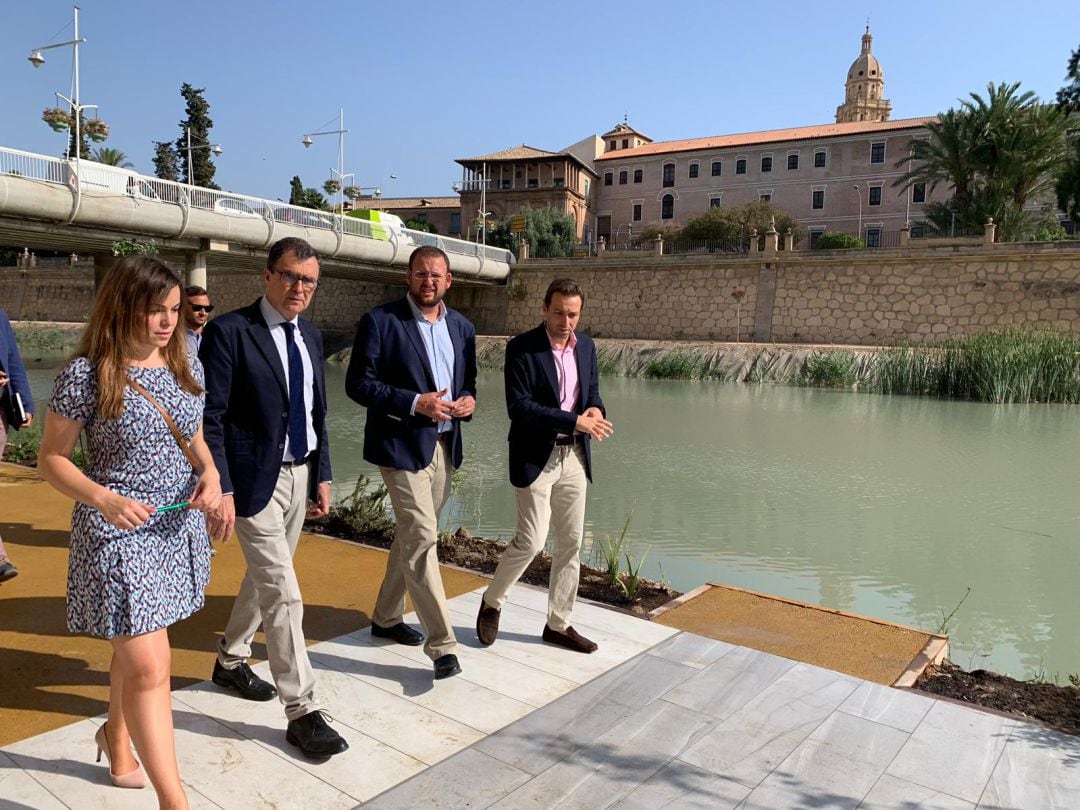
x: 1010, y: 366
x: 364, y: 511
x: 630, y: 583
x: 610, y: 550
x: 830, y: 369
x: 676, y: 365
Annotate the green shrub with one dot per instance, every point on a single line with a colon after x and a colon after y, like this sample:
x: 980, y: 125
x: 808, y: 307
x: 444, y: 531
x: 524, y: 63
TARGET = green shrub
x: 676, y: 366
x: 831, y: 369
x: 363, y: 512
x: 838, y: 241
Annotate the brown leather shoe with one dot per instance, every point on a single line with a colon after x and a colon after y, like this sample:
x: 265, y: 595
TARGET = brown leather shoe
x: 571, y: 639
x: 487, y: 623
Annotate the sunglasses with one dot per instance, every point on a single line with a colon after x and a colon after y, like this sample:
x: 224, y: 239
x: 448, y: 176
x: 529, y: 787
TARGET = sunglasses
x: 207, y: 308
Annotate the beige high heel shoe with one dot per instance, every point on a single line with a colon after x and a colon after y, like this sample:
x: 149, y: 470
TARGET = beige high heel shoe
x: 134, y: 779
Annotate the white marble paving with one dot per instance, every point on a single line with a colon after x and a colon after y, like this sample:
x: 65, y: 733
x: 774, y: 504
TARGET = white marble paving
x: 891, y: 793
x: 892, y: 707
x: 656, y: 718
x: 953, y: 750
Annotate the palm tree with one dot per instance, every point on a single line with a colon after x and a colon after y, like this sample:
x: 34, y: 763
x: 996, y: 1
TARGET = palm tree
x: 112, y: 157
x: 995, y: 152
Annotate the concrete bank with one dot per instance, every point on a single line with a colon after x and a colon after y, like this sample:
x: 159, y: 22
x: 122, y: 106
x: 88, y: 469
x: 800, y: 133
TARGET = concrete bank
x: 723, y: 362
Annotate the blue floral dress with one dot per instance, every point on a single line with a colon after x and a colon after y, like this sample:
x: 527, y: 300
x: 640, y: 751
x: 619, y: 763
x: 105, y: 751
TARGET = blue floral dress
x: 126, y: 583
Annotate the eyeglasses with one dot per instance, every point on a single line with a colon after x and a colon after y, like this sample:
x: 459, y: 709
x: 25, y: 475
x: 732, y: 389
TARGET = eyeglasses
x: 429, y: 276
x: 207, y: 308
x: 291, y: 279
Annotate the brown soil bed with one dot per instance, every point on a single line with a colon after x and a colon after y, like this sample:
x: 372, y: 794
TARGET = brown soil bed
x: 477, y: 554
x: 1057, y: 706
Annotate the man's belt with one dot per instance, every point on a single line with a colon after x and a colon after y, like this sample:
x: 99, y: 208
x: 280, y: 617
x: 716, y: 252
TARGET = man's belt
x: 566, y: 441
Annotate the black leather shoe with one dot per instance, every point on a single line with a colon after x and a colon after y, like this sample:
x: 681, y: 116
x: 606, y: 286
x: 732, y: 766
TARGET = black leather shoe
x: 487, y: 623
x: 7, y: 570
x: 571, y: 639
x: 400, y: 632
x: 445, y: 666
x: 314, y: 737
x: 243, y: 680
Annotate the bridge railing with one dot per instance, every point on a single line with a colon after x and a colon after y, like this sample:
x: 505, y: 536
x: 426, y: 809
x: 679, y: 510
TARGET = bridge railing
x: 97, y: 179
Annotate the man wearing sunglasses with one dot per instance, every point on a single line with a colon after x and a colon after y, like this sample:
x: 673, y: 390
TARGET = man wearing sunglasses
x: 197, y: 311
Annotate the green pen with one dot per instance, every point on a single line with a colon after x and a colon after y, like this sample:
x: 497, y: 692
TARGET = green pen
x: 172, y: 506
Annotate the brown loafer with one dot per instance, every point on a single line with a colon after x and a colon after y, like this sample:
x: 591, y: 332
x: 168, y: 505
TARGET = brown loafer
x: 571, y: 639
x: 487, y: 623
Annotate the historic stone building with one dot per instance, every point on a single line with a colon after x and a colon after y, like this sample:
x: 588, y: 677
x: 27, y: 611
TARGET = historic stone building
x: 830, y: 177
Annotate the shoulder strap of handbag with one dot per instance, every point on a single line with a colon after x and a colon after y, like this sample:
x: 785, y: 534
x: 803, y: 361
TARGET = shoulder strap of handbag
x: 180, y: 440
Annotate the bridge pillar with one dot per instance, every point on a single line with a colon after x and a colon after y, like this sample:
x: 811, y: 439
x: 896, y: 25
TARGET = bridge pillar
x: 103, y: 263
x: 195, y: 270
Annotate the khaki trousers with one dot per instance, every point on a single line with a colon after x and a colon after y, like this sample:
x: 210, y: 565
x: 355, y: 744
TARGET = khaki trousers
x: 270, y: 594
x: 413, y: 566
x: 559, y: 493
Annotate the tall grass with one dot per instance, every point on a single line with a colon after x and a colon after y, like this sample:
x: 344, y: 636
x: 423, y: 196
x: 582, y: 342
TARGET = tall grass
x: 832, y: 369
x: 1010, y: 366
x: 676, y: 366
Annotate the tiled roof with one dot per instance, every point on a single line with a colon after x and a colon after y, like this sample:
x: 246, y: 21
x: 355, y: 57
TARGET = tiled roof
x: 769, y: 136
x: 390, y: 203
x: 522, y: 152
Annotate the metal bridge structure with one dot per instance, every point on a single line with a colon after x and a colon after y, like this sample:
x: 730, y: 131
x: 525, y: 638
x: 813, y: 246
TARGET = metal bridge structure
x: 82, y: 206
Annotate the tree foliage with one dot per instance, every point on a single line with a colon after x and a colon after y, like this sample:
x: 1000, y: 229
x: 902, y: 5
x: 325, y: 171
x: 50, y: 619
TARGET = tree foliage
x: 838, y: 241
x: 996, y: 153
x: 112, y: 157
x: 198, y: 120
x: 666, y: 231
x: 1068, y: 184
x: 548, y: 232
x: 165, y: 161
x: 305, y: 197
x: 417, y: 224
x: 84, y: 142
x: 735, y: 222
x: 1068, y: 96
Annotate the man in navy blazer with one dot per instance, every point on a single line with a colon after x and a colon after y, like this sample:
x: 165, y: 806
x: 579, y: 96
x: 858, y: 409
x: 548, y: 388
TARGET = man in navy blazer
x: 12, y: 381
x: 413, y: 367
x: 265, y: 424
x: 553, y: 398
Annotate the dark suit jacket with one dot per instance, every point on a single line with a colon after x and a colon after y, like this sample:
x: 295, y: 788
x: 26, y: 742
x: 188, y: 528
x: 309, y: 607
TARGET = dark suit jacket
x: 532, y: 400
x: 389, y: 367
x: 11, y: 363
x: 246, y: 419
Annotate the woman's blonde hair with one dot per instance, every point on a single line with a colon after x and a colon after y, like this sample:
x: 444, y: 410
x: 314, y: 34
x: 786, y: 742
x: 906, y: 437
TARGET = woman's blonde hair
x: 132, y: 287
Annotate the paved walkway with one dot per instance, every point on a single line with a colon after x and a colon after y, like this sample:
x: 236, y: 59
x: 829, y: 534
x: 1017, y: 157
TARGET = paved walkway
x: 656, y: 718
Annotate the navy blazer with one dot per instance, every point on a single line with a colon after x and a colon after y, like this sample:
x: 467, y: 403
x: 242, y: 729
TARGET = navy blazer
x: 12, y: 364
x: 246, y: 419
x: 388, y: 368
x: 532, y: 400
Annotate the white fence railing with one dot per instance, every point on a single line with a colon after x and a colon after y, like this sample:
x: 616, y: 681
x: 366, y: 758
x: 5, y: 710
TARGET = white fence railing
x: 98, y: 179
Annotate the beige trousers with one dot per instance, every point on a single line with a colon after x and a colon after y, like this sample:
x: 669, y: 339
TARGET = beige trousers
x: 413, y: 566
x: 270, y: 594
x: 559, y: 493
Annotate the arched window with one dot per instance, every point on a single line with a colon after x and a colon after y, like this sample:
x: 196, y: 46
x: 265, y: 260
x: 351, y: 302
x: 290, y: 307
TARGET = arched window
x: 667, y: 207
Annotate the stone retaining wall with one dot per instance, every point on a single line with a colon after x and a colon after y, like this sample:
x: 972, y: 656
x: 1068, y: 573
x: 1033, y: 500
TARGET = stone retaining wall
x: 869, y: 297
x: 850, y: 297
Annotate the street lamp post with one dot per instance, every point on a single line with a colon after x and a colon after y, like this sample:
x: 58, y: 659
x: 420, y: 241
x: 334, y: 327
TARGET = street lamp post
x: 858, y: 191
x: 340, y: 132
x: 37, y: 60
x: 214, y: 148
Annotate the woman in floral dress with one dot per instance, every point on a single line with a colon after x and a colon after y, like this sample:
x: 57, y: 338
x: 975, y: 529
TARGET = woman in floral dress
x: 134, y: 568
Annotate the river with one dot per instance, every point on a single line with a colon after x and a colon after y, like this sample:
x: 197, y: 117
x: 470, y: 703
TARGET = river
x: 890, y: 507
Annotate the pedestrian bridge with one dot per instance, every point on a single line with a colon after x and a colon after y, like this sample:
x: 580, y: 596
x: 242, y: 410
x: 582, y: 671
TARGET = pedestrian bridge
x: 94, y: 203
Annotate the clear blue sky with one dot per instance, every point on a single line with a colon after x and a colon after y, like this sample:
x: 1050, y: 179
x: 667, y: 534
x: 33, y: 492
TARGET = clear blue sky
x: 425, y: 83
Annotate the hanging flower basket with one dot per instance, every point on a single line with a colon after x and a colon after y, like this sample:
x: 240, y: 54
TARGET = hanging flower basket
x: 97, y: 130
x: 331, y: 186
x: 352, y: 192
x: 56, y: 118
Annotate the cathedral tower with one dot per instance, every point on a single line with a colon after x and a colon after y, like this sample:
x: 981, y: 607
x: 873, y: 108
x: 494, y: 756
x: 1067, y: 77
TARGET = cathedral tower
x: 865, y: 88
